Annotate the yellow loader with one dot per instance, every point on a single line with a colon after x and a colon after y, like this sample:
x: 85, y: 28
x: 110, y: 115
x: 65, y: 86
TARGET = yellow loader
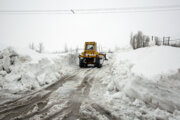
x: 91, y: 56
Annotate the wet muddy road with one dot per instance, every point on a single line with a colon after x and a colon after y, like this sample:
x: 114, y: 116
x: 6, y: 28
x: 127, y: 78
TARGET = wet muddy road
x: 60, y: 101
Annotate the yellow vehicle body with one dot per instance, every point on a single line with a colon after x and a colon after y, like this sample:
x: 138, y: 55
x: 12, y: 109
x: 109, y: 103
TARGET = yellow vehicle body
x: 91, y: 56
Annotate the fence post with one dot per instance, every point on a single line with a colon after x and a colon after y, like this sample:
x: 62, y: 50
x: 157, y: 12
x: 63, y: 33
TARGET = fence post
x: 163, y: 40
x: 168, y: 40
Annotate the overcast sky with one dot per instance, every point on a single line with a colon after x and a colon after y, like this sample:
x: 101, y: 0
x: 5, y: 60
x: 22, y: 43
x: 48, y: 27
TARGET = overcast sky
x: 109, y: 30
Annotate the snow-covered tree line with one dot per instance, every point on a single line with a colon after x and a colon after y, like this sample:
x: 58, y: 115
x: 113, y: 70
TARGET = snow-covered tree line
x: 140, y: 40
x: 38, y: 48
x: 66, y: 49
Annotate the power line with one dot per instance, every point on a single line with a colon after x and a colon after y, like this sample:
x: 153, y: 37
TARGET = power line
x: 88, y: 12
x: 135, y: 11
x: 97, y: 10
x: 131, y: 8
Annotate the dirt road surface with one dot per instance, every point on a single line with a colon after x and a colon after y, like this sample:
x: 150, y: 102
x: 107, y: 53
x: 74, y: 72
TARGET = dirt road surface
x: 60, y: 101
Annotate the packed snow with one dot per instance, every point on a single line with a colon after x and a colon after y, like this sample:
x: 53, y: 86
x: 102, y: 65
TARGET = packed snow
x: 132, y: 84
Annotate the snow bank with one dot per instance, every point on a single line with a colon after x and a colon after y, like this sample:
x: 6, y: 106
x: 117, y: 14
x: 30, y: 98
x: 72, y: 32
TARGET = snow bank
x: 23, y: 70
x: 25, y: 52
x: 153, y: 61
x: 149, y: 74
x: 19, y: 74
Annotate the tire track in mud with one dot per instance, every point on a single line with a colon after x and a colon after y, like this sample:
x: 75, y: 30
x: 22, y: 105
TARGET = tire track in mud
x: 21, y: 100
x: 19, y: 109
x: 104, y: 112
x: 27, y: 105
x: 75, y: 100
x: 29, y: 95
x: 73, y: 103
x: 40, y: 112
x: 24, y: 105
x: 66, y: 109
x: 78, y: 97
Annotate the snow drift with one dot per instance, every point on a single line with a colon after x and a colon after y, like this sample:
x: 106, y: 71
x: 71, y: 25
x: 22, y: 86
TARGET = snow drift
x: 149, y: 74
x: 154, y: 61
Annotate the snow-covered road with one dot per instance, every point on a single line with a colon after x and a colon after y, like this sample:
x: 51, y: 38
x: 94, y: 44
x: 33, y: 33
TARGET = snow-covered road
x: 61, y: 100
x: 58, y: 89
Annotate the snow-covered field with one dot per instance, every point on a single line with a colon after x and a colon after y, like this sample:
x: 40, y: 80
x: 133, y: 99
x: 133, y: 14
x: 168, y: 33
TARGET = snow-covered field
x: 142, y: 84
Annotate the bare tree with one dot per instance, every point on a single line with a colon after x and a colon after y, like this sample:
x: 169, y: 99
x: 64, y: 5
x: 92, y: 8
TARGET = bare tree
x: 71, y: 50
x: 157, y: 41
x: 147, y: 40
x: 132, y: 41
x: 77, y: 49
x: 40, y: 48
x: 143, y: 41
x: 139, y: 39
x: 136, y: 40
x: 32, y: 46
x: 178, y: 44
x: 65, y: 48
x: 109, y: 51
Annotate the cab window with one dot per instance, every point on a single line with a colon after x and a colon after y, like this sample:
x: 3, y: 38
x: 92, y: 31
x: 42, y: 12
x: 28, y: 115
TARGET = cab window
x: 90, y: 47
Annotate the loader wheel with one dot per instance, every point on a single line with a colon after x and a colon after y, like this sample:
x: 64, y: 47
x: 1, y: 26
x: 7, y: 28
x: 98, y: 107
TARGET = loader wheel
x: 98, y: 64
x: 81, y: 64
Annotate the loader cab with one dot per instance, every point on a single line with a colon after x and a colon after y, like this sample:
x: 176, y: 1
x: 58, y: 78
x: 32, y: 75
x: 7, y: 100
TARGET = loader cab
x: 90, y: 46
